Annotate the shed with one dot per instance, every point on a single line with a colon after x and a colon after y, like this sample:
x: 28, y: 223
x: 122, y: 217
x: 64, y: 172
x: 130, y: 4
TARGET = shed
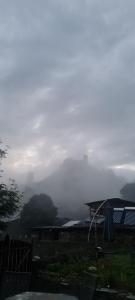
x: 113, y: 202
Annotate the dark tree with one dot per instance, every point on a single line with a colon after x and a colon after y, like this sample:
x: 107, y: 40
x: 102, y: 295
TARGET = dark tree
x: 9, y: 194
x: 39, y: 211
x: 128, y: 191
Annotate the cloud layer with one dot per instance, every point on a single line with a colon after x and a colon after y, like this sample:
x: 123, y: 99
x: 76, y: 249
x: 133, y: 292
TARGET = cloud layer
x: 67, y: 82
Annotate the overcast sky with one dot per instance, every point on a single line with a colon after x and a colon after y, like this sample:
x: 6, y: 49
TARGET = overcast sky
x: 67, y: 83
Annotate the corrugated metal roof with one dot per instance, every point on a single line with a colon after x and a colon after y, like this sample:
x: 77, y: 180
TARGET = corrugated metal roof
x: 71, y: 223
x: 115, y: 202
x: 98, y: 220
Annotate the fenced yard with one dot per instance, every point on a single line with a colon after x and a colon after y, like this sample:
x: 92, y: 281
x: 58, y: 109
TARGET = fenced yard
x: 15, y: 267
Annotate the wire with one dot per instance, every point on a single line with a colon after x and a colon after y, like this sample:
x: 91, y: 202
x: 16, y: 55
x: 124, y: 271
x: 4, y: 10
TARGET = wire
x: 91, y: 223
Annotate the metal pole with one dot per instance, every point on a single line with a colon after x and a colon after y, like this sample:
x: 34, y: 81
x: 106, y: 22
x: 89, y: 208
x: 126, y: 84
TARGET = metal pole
x: 91, y: 223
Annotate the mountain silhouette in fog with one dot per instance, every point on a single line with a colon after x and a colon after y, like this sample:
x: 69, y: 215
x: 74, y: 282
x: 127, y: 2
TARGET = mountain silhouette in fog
x: 77, y: 182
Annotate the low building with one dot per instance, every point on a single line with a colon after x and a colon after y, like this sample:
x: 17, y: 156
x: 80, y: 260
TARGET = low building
x: 73, y: 230
x: 113, y: 202
x: 123, y: 210
x: 121, y: 219
x: 59, y: 233
x: 116, y: 212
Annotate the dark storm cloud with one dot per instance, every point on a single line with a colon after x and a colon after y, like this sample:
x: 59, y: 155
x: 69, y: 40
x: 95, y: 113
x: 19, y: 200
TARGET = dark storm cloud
x: 67, y: 81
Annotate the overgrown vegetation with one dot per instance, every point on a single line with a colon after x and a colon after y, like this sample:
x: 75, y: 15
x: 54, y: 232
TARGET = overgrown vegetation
x: 117, y: 271
x: 9, y: 195
x: 114, y: 271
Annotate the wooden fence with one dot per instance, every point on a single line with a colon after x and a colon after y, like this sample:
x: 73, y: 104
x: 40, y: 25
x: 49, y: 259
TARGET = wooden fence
x: 15, y: 256
x: 15, y: 267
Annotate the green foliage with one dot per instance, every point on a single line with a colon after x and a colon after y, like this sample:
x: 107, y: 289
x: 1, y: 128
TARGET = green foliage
x: 115, y: 271
x: 9, y: 194
x: 39, y: 211
x: 9, y: 199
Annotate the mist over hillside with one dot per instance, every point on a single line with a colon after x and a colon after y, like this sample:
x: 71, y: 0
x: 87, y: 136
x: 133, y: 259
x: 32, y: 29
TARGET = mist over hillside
x: 75, y: 183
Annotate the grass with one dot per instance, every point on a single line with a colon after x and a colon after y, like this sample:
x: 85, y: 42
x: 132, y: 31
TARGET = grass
x: 115, y: 271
